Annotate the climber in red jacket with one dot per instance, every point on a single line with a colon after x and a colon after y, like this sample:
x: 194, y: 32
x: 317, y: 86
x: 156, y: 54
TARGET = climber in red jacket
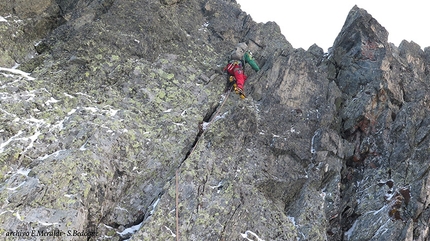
x: 235, y: 67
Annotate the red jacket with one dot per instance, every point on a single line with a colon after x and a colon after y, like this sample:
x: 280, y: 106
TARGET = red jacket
x: 235, y: 69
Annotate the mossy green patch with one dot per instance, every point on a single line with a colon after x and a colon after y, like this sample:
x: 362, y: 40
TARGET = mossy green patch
x: 115, y: 58
x: 192, y: 77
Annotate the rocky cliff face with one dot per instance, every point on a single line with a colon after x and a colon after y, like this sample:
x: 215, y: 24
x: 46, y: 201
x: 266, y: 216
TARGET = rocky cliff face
x: 115, y: 124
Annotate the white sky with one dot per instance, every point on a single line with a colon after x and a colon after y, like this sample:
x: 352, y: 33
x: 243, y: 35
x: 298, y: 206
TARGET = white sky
x: 305, y: 22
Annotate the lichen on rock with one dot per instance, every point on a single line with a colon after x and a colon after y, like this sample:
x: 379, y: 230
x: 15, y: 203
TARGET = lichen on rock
x: 106, y: 103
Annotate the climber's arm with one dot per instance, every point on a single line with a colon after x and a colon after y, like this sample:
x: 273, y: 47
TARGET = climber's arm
x: 251, y: 61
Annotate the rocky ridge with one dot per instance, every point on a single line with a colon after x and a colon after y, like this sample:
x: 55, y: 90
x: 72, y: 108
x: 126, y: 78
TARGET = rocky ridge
x: 113, y: 109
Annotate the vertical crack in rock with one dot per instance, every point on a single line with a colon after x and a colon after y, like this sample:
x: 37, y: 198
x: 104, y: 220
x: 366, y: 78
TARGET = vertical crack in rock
x: 371, y: 163
x: 210, y: 117
x: 133, y: 227
x: 202, y: 127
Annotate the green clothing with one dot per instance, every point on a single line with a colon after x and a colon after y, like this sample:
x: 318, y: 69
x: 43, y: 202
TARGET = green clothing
x: 248, y: 59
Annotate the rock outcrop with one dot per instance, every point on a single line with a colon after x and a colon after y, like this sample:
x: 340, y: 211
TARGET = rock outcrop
x: 115, y: 124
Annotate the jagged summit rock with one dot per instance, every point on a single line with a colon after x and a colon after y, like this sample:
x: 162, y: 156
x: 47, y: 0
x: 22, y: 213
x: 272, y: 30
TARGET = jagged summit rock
x: 361, y: 43
x: 107, y: 103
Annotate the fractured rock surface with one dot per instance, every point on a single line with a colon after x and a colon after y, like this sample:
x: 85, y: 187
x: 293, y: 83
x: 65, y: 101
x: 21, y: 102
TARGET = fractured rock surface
x: 105, y: 104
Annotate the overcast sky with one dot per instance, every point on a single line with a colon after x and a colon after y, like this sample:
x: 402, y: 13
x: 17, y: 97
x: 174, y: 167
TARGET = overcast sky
x: 306, y: 22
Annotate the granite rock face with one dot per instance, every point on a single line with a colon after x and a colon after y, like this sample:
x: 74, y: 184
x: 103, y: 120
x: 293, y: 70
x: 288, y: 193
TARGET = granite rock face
x: 115, y: 124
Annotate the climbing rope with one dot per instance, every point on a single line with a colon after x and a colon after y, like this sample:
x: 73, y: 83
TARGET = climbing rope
x: 177, y: 206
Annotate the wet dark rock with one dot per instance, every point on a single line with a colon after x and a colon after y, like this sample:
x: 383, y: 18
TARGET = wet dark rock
x: 126, y: 97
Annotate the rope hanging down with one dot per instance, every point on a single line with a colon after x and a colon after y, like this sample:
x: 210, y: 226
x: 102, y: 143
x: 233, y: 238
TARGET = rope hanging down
x: 177, y: 206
